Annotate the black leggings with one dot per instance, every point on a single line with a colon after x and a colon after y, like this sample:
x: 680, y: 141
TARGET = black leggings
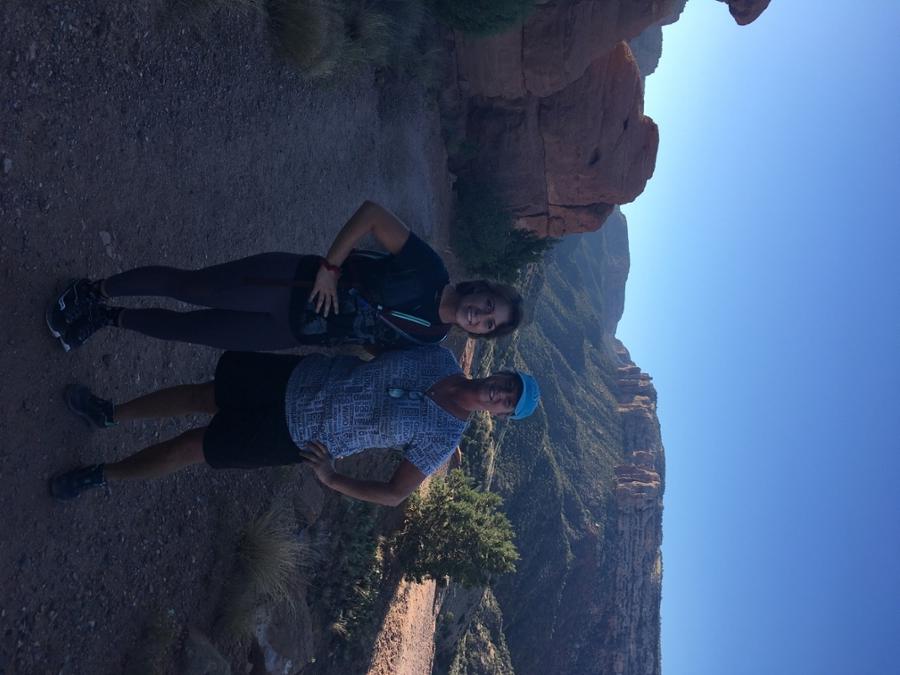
x: 245, y: 314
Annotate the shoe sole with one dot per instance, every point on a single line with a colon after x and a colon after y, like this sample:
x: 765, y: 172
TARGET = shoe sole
x: 69, y: 396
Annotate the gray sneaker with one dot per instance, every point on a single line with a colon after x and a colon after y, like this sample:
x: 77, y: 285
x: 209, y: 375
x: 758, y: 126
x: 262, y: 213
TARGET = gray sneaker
x: 68, y: 307
x: 67, y: 486
x: 96, y: 411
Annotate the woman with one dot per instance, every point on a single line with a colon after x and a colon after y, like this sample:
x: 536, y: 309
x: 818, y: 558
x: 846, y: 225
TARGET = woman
x: 277, y: 301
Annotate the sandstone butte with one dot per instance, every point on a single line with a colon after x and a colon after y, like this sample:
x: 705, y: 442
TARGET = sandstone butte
x: 630, y: 640
x: 555, y: 109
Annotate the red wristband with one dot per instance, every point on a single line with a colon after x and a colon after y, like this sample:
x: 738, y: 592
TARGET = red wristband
x: 336, y: 269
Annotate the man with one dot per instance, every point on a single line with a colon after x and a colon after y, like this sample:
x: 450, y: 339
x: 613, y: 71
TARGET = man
x: 273, y: 409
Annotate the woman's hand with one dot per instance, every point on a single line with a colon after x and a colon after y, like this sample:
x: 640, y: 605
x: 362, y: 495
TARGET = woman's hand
x: 324, y: 292
x: 320, y: 460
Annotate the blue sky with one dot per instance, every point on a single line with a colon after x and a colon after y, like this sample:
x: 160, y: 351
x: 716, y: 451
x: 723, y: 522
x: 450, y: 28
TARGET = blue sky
x: 764, y: 299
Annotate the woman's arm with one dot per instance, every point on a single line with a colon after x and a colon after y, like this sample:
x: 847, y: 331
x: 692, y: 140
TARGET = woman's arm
x: 388, y: 230
x: 401, y: 485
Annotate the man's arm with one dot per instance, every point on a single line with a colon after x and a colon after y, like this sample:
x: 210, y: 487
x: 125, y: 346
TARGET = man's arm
x: 401, y: 485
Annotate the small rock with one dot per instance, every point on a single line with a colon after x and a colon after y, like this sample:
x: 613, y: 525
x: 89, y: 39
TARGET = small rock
x: 7, y: 165
x: 105, y: 237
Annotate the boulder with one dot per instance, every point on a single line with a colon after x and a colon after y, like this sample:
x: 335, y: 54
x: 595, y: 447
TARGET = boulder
x: 563, y: 161
x: 554, y: 47
x: 746, y: 11
x: 599, y: 147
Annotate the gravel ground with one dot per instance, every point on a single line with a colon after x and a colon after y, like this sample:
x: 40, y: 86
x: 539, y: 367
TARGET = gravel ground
x: 129, y: 135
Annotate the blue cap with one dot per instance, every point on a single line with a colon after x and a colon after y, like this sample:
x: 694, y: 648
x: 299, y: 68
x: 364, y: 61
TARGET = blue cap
x: 531, y: 396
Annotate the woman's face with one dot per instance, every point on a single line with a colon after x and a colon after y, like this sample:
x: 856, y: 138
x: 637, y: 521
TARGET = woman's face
x: 481, y: 313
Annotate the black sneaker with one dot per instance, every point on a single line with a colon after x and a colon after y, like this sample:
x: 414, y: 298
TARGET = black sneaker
x: 78, y: 296
x: 72, y: 483
x: 93, y: 318
x: 96, y: 411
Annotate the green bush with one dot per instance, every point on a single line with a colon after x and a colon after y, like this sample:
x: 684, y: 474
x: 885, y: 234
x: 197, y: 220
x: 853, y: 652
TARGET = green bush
x: 484, y: 238
x: 481, y: 17
x: 455, y: 531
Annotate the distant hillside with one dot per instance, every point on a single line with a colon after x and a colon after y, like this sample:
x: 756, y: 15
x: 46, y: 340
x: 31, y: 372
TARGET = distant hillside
x: 581, y: 480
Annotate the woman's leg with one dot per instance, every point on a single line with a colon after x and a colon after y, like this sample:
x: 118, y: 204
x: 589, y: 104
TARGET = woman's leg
x: 161, y: 459
x: 219, y: 328
x: 172, y: 402
x: 259, y: 283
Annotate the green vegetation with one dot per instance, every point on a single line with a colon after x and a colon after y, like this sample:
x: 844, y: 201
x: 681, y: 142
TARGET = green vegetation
x: 482, y: 17
x: 309, y: 33
x: 484, y: 238
x: 482, y: 647
x: 477, y: 447
x: 324, y: 38
x: 455, y: 531
x: 352, y: 591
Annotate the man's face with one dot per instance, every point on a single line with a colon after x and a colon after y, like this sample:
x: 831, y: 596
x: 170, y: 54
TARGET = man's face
x: 497, y: 394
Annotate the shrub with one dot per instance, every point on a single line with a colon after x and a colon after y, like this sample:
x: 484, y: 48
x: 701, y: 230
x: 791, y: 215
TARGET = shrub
x: 310, y: 33
x: 482, y: 17
x: 484, y: 238
x: 455, y: 531
x: 272, y: 566
x: 350, y: 592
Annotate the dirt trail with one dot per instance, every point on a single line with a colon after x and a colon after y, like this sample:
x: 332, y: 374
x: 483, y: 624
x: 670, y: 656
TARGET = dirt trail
x: 129, y: 136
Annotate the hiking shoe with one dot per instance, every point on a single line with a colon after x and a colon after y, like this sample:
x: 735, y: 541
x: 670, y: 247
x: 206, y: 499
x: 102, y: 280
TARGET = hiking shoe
x: 96, y: 411
x: 70, y: 305
x: 70, y: 484
x: 93, y: 318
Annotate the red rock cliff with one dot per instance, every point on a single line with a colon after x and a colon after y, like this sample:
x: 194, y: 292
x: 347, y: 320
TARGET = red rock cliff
x: 746, y: 11
x: 555, y: 108
x: 640, y: 482
x: 563, y: 160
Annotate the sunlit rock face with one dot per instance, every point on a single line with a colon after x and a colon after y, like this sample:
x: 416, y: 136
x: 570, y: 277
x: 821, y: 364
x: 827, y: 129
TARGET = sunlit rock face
x: 555, y: 46
x: 562, y: 161
x: 746, y: 11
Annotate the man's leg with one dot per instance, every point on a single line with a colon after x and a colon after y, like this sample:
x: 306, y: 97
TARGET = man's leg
x: 155, y: 461
x: 161, y: 459
x: 172, y: 402
x: 183, y: 399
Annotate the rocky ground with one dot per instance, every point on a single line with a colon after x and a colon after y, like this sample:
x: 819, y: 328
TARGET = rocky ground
x: 132, y: 133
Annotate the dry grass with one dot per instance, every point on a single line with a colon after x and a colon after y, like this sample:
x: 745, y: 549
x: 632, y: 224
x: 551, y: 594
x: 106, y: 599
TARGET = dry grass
x: 272, y: 555
x: 372, y: 37
x: 273, y: 565
x: 310, y: 33
x: 201, y: 8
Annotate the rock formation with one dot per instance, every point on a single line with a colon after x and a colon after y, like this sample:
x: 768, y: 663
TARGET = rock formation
x: 647, y: 47
x: 554, y: 107
x: 746, y: 11
x: 634, y: 628
x: 554, y: 47
x: 563, y: 160
x: 555, y: 110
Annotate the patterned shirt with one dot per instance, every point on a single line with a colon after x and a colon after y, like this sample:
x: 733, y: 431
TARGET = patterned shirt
x: 350, y: 405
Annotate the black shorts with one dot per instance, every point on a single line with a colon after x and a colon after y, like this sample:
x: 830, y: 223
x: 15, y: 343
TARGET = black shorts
x: 250, y: 430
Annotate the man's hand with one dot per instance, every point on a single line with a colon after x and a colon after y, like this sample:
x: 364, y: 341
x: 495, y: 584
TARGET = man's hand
x: 320, y: 460
x: 324, y: 292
